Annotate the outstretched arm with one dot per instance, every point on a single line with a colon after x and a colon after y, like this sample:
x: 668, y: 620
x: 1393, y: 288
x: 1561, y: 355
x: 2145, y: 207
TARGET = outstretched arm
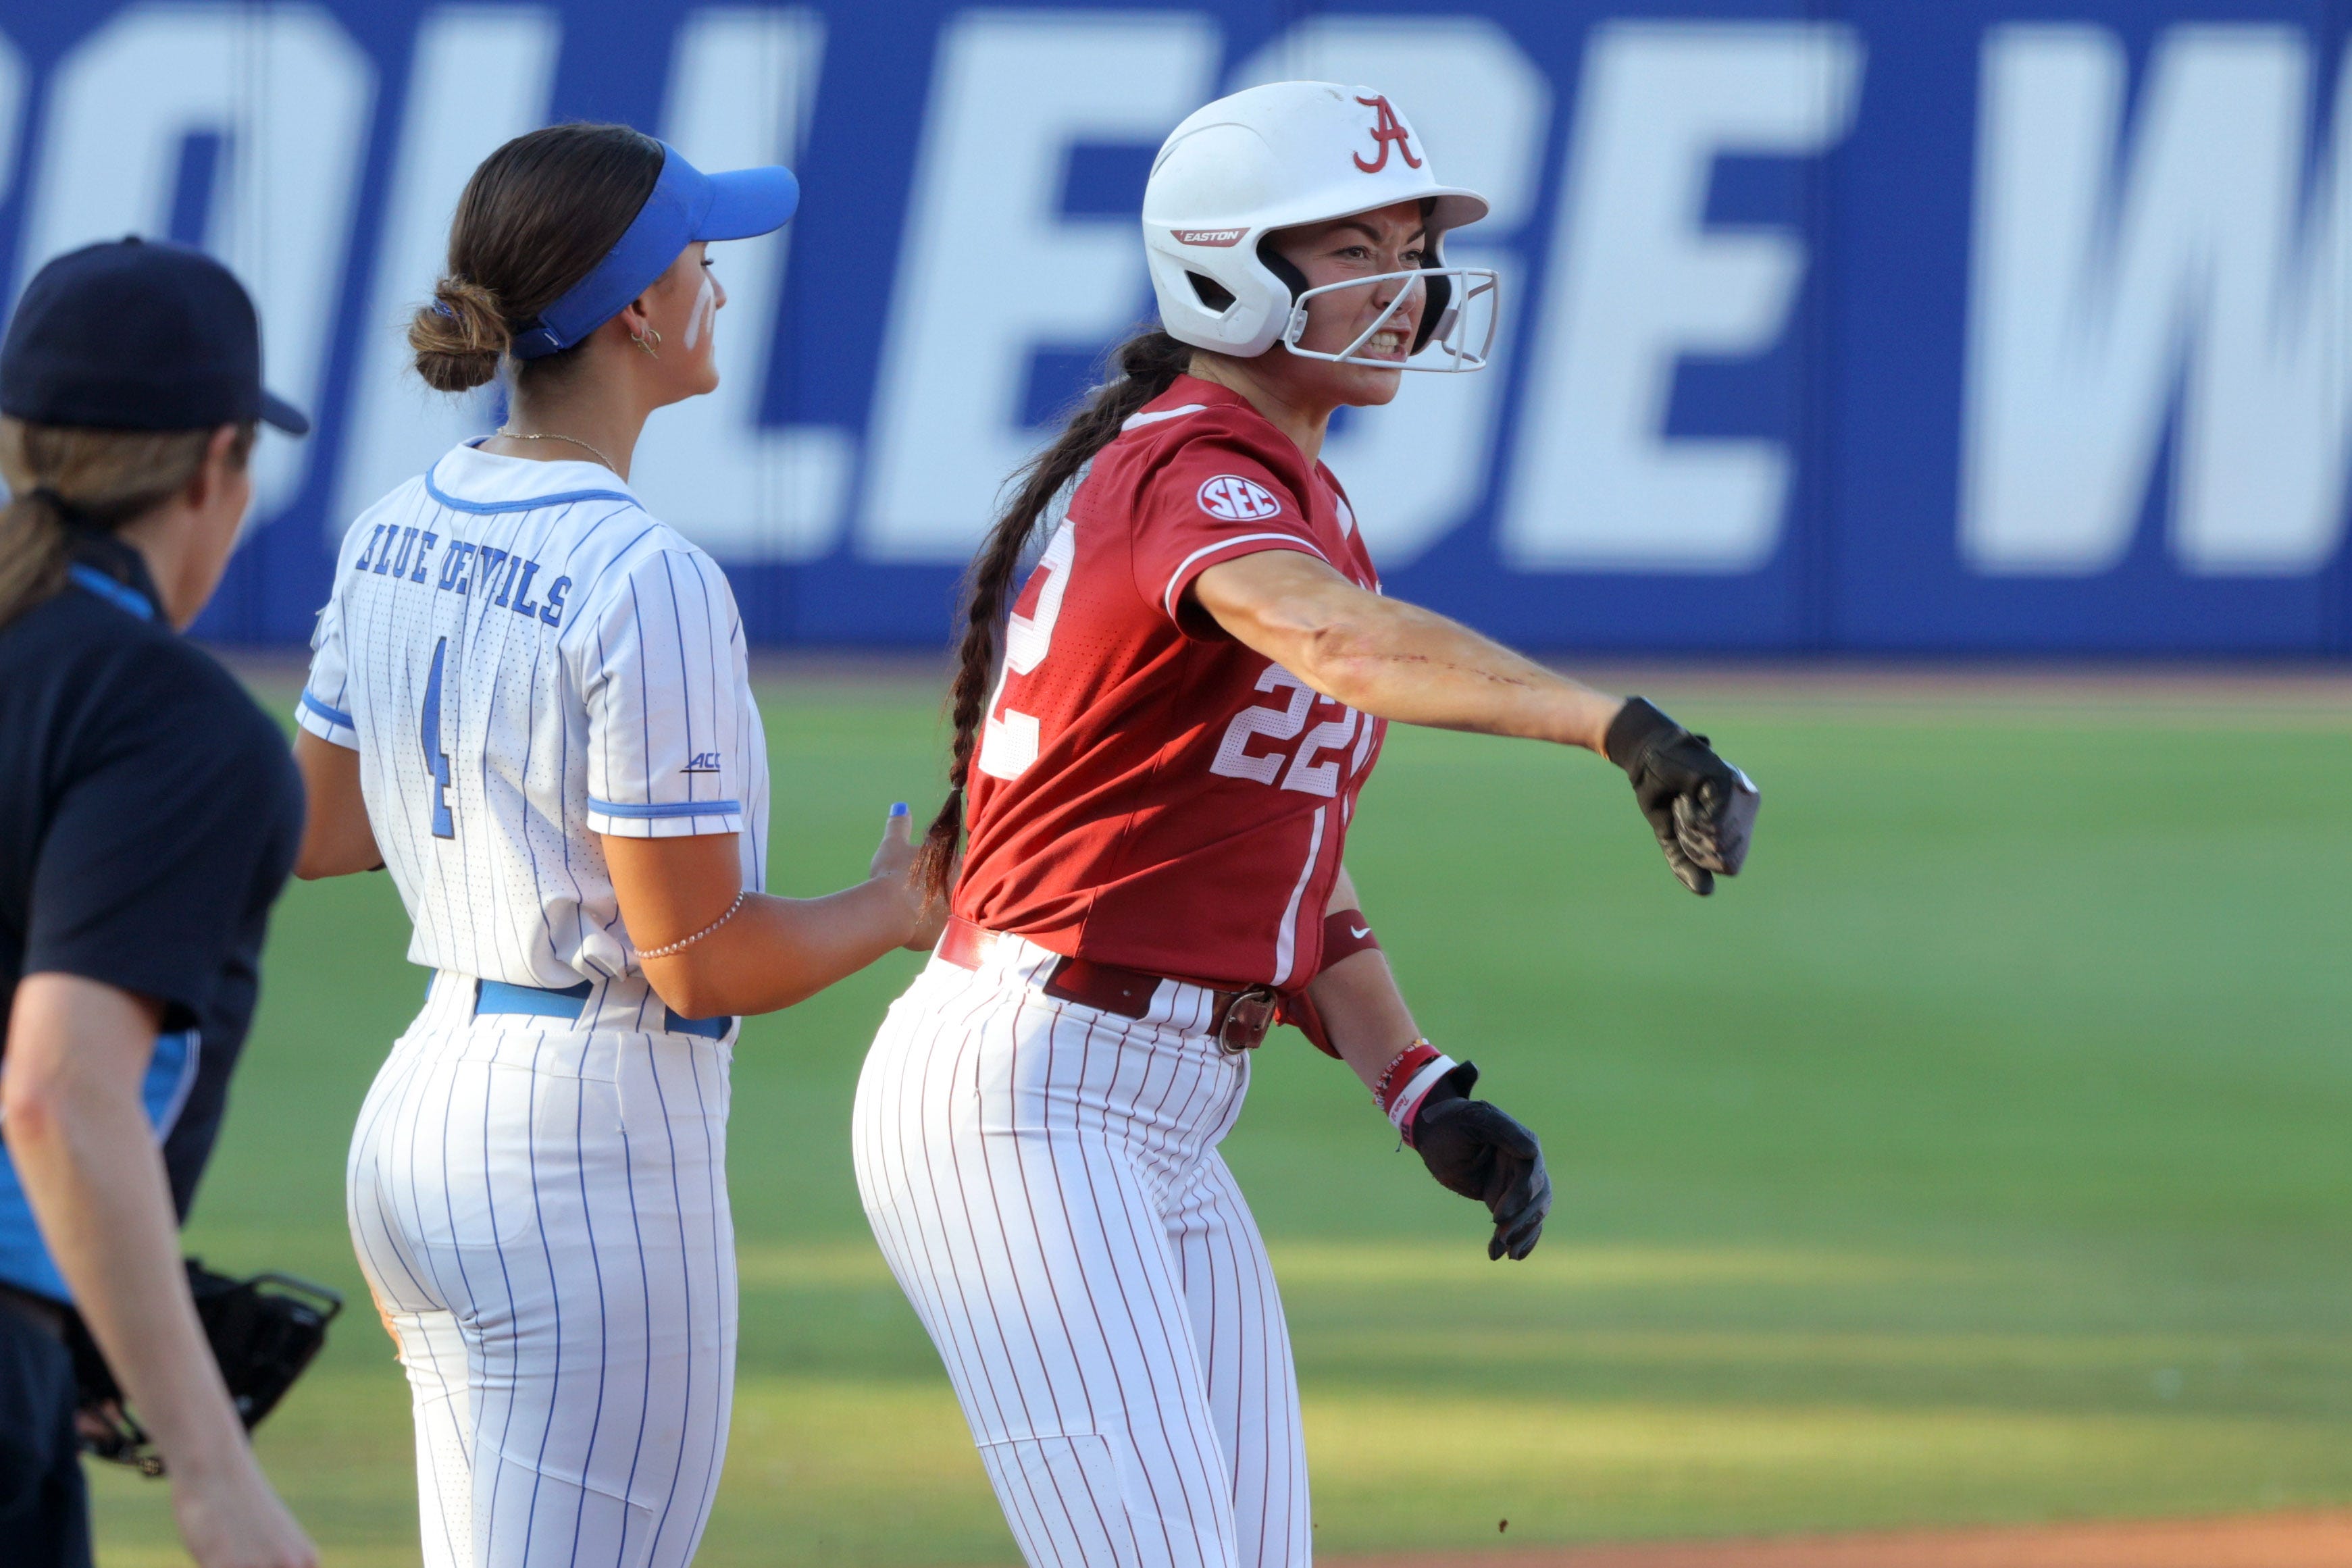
x: 1393, y: 660
x: 1398, y: 662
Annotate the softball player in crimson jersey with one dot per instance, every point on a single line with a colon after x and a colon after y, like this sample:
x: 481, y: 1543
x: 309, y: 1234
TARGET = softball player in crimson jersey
x: 529, y: 699
x: 1193, y: 686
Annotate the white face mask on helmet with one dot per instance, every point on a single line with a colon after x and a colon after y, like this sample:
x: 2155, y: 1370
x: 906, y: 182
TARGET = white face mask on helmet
x: 1278, y: 156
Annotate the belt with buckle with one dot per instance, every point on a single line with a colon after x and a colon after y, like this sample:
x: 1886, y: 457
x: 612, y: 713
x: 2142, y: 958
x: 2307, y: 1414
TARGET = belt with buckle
x: 1237, y: 1020
x: 533, y: 1001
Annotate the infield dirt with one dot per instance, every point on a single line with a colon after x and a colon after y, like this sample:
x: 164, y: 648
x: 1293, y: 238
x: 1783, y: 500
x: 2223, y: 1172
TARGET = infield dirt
x: 2261, y: 1540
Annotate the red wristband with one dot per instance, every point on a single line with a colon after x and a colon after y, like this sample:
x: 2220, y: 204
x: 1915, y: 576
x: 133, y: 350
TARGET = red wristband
x: 1401, y: 1071
x: 1407, y: 1082
x: 1346, y: 933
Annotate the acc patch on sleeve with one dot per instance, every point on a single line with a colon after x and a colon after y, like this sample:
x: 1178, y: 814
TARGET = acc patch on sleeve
x: 1231, y: 499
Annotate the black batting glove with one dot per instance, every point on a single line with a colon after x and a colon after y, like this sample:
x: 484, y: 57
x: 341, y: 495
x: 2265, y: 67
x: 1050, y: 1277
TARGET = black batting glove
x: 1701, y: 807
x: 1473, y: 1148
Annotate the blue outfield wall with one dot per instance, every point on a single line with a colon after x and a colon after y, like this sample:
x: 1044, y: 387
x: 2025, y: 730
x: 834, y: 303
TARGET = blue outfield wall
x: 1885, y: 326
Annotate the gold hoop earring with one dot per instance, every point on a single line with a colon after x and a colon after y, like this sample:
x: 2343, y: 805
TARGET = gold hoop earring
x: 651, y: 348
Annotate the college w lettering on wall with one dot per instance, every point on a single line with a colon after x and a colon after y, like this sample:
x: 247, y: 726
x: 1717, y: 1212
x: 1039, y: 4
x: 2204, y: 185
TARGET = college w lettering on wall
x: 1869, y: 326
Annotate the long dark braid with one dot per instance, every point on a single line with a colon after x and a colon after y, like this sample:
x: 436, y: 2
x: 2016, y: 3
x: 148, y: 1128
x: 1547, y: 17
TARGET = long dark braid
x: 1148, y: 363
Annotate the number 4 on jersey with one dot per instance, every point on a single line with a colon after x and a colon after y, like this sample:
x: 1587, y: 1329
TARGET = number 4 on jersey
x: 437, y: 761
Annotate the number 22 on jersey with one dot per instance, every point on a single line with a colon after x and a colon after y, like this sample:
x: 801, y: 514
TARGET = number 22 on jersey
x: 1009, y: 742
x: 1308, y: 777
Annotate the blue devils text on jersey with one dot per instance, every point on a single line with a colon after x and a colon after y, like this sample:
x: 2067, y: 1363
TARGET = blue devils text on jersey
x: 480, y: 611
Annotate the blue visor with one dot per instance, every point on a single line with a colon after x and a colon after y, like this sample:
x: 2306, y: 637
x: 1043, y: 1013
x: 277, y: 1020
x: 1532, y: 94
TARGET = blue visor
x: 685, y: 205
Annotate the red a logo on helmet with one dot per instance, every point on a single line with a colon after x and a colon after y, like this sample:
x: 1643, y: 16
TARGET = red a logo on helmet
x: 1386, y: 132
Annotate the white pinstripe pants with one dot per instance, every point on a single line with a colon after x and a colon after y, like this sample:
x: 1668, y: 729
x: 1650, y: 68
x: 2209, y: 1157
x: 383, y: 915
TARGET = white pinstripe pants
x: 1044, y: 1178
x: 541, y: 1214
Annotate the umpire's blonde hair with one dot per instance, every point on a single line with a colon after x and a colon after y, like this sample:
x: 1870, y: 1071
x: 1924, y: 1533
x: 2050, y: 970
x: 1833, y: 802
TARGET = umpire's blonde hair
x: 64, y: 477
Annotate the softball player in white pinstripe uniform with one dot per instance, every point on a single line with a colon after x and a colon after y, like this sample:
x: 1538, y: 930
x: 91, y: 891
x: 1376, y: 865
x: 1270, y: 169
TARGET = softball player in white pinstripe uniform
x: 530, y: 699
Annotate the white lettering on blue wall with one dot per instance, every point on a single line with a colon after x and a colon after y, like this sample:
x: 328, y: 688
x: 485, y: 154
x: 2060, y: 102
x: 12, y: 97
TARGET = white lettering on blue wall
x: 989, y: 270
x: 1636, y: 282
x: 290, y: 98
x: 2115, y: 284
x: 742, y: 88
x: 480, y: 75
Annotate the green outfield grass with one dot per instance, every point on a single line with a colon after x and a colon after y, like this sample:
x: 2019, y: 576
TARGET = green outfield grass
x: 1985, y: 1153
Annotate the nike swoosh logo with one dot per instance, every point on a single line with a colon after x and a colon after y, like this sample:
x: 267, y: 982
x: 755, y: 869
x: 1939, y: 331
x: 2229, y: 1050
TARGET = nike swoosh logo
x: 1360, y: 931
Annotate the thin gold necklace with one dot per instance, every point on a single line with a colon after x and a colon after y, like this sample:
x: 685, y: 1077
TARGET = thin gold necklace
x: 551, y: 435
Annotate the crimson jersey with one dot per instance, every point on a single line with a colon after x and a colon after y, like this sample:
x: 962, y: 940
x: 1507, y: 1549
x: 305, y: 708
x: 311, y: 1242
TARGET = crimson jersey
x: 1149, y: 792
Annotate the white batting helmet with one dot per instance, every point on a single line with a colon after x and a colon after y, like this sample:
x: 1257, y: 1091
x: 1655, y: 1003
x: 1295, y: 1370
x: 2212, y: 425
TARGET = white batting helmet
x: 1273, y: 157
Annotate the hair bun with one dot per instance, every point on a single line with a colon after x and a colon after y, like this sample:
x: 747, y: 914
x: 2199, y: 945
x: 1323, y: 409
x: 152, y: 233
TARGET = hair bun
x: 459, y: 338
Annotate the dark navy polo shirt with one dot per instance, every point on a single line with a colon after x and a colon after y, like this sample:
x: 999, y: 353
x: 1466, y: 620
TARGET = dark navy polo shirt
x: 150, y: 812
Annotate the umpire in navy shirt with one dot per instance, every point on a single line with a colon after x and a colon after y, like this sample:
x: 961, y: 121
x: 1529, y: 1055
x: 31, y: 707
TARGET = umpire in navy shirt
x: 149, y: 814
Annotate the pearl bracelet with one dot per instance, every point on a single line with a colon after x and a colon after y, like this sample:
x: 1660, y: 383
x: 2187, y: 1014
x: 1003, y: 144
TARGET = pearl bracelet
x: 684, y: 942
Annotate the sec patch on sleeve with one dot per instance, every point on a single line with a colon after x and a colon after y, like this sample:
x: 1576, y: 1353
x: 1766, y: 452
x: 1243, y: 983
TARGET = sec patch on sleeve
x: 1231, y: 499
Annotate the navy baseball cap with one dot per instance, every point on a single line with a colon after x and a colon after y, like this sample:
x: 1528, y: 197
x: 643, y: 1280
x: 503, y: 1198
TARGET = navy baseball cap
x: 684, y: 205
x: 136, y: 334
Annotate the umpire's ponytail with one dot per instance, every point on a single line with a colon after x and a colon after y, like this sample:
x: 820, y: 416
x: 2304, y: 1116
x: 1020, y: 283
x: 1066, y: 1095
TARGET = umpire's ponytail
x: 33, y: 552
x: 64, y: 477
x: 1148, y: 363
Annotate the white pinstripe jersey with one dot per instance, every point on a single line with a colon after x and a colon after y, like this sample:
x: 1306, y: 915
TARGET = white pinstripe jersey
x: 524, y: 658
